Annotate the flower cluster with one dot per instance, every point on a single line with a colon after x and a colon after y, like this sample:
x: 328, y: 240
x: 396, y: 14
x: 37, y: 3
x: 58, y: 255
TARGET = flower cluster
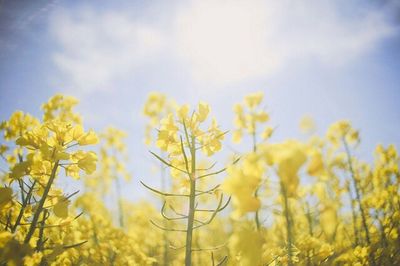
x: 294, y: 202
x: 250, y: 115
x: 40, y: 150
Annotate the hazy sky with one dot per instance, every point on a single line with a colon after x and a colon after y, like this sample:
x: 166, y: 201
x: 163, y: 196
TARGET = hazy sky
x: 328, y: 59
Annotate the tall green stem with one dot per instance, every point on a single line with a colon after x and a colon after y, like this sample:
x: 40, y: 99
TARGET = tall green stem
x: 288, y: 223
x: 311, y: 232
x: 165, y: 233
x: 39, y: 209
x: 256, y: 215
x: 358, y: 197
x: 189, y: 230
x: 24, y: 204
x: 119, y: 199
x: 354, y: 215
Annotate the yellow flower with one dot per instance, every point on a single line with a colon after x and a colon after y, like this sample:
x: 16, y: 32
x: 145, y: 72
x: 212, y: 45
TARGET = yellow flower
x: 114, y: 138
x: 40, y: 167
x: 307, y: 125
x: 72, y: 171
x: 211, y: 142
x: 32, y: 139
x: 154, y: 104
x: 261, y: 117
x: 237, y: 136
x: 316, y: 165
x: 60, y: 209
x: 20, y: 169
x: 61, y: 131
x: 89, y: 138
x: 254, y: 99
x: 203, y: 111
x: 183, y: 112
x: 18, y: 124
x: 5, y: 236
x: 34, y: 259
x: 77, y: 132
x: 288, y: 156
x: 246, y: 245
x: 342, y: 130
x: 328, y: 219
x: 3, y: 149
x: 267, y: 133
x: 167, y: 135
x: 85, y: 161
x: 248, y: 118
x: 156, y: 107
x: 242, y: 181
x: 5, y: 195
x: 60, y: 107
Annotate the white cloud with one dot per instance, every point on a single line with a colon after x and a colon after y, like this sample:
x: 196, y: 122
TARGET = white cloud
x: 97, y: 49
x: 227, y: 41
x: 219, y: 42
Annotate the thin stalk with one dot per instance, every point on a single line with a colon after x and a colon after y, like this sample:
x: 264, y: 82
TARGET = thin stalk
x: 383, y: 238
x: 311, y: 232
x: 24, y: 204
x: 8, y: 223
x: 354, y: 215
x: 120, y: 207
x: 21, y: 186
x: 358, y: 197
x: 40, y: 242
x: 41, y: 203
x: 189, y: 230
x: 256, y: 215
x: 95, y: 236
x: 309, y: 219
x: 288, y: 224
x: 165, y: 233
x: 254, y: 137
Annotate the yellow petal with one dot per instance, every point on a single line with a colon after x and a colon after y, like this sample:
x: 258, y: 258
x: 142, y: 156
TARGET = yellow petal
x: 204, y: 110
x: 5, y: 195
x: 77, y: 132
x: 88, y: 162
x: 61, y: 208
x: 89, y: 138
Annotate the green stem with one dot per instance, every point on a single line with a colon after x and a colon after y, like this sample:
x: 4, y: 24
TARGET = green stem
x: 256, y: 215
x: 189, y: 230
x: 165, y: 233
x: 358, y: 197
x: 39, y: 209
x: 120, y: 207
x: 354, y: 215
x: 40, y: 242
x: 288, y: 224
x: 22, y: 210
x: 311, y: 232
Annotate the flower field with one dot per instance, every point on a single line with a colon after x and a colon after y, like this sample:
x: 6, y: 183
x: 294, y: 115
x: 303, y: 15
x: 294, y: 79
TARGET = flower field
x: 292, y: 202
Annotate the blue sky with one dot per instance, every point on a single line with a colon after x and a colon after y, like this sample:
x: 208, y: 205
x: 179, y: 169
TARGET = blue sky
x: 329, y: 59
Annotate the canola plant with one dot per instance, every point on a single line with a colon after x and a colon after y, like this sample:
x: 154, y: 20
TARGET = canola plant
x: 292, y: 202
